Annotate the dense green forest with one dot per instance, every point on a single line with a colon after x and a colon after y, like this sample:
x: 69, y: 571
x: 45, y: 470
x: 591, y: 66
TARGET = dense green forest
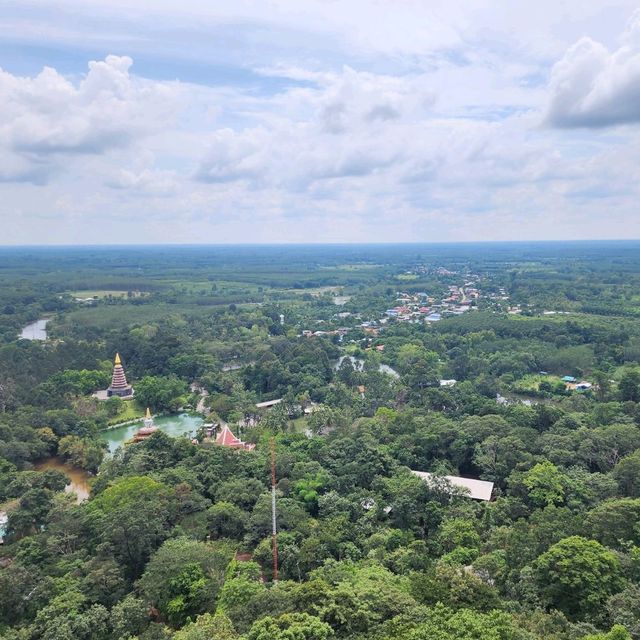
x: 516, y: 364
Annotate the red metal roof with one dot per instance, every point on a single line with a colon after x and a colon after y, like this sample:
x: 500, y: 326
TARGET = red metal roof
x: 227, y: 439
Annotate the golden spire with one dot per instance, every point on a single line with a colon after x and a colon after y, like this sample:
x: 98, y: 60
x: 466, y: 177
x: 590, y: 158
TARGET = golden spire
x: 117, y: 360
x: 148, y: 416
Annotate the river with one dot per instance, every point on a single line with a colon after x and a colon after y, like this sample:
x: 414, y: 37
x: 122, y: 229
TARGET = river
x: 78, y: 478
x: 176, y: 425
x: 35, y: 330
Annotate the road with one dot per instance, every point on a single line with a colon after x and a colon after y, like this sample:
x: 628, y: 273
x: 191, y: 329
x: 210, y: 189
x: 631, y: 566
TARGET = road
x: 200, y: 406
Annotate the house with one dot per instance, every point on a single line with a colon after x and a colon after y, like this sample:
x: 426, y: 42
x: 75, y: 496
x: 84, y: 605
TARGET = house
x: 470, y: 488
x: 568, y: 379
x: 447, y: 383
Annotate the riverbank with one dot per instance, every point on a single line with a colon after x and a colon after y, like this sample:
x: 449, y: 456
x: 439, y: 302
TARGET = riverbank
x: 117, y: 425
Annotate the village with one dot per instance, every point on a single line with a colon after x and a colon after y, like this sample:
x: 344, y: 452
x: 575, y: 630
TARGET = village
x: 411, y: 307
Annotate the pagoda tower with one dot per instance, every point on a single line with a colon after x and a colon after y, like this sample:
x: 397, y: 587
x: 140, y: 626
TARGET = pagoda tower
x: 148, y: 428
x: 119, y: 386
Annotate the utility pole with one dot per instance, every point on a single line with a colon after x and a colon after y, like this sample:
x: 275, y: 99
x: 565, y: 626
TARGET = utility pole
x: 274, y: 530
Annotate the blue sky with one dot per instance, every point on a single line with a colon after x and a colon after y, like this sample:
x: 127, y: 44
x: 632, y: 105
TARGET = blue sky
x: 318, y: 121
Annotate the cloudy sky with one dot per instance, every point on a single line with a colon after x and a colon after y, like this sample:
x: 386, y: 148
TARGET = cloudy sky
x: 318, y: 120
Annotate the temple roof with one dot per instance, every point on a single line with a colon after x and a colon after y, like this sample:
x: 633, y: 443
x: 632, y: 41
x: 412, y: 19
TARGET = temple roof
x: 227, y: 439
x: 117, y: 359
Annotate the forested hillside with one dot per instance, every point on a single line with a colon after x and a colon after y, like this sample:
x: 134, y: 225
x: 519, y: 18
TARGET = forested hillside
x: 513, y: 364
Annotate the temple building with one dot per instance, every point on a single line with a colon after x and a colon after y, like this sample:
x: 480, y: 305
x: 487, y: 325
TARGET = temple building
x: 119, y: 386
x: 227, y: 439
x: 148, y: 428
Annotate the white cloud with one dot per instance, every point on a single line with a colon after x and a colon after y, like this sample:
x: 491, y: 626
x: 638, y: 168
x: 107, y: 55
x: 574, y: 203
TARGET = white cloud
x: 320, y: 121
x: 146, y: 181
x: 47, y: 117
x: 351, y: 125
x: 594, y: 87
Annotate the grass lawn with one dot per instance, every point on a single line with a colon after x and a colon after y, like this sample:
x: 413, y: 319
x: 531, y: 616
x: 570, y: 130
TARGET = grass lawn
x: 531, y: 382
x: 130, y: 411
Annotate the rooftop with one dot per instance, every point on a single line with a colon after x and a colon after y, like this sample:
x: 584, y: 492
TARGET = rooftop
x: 477, y: 489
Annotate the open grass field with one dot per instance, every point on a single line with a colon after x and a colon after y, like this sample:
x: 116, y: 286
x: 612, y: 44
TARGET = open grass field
x: 122, y: 316
x: 130, y: 411
x: 213, y: 286
x: 532, y: 382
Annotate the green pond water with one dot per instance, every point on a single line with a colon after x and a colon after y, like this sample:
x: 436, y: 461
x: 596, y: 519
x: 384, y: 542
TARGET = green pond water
x: 176, y: 425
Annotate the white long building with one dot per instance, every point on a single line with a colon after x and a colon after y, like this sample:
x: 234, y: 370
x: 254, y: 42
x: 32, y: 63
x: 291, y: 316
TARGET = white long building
x: 476, y: 489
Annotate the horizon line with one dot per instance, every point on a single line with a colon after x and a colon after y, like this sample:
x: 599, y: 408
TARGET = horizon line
x: 316, y: 244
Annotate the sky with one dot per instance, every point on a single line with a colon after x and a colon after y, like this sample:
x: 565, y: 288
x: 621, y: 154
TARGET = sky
x: 282, y: 121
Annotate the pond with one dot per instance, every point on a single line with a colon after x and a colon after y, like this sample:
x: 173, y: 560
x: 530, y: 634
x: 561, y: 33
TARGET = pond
x: 78, y: 478
x: 175, y: 425
x: 358, y: 365
x: 35, y: 330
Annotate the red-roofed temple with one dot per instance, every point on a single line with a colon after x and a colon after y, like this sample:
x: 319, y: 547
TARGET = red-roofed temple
x: 119, y: 386
x: 227, y: 439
